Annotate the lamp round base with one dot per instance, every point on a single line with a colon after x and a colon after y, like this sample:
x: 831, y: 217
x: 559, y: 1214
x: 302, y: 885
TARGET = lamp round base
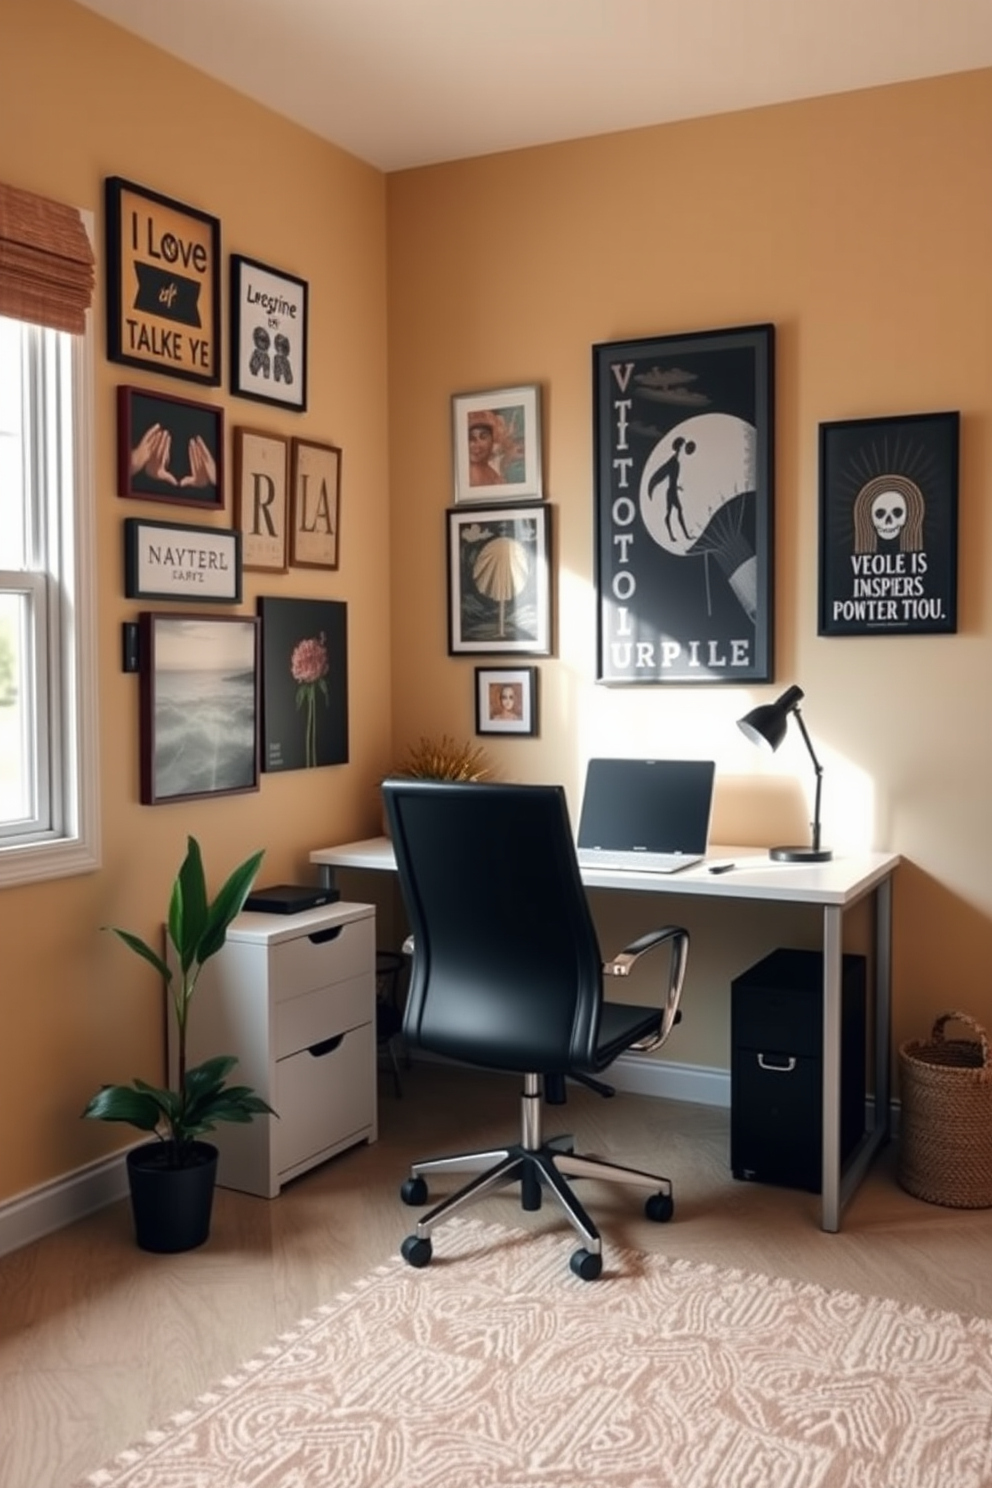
x: 800, y: 854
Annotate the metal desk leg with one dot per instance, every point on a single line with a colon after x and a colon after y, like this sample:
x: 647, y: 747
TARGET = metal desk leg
x: 832, y: 981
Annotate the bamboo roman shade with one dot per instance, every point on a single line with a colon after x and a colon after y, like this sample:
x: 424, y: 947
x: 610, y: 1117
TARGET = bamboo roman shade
x: 46, y: 262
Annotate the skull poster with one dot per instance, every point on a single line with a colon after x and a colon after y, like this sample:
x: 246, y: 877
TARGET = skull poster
x: 888, y: 525
x: 683, y: 434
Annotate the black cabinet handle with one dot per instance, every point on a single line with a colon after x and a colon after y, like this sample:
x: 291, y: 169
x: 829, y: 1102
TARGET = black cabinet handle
x: 321, y: 937
x: 326, y: 1046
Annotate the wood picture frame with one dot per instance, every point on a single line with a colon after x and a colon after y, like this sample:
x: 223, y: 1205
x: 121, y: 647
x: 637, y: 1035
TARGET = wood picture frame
x: 315, y: 483
x: 889, y: 525
x: 496, y: 445
x: 162, y: 283
x: 499, y: 580
x: 169, y: 449
x: 168, y: 560
x: 199, y: 706
x: 684, y: 495
x: 261, y: 498
x: 506, y: 700
x: 269, y: 334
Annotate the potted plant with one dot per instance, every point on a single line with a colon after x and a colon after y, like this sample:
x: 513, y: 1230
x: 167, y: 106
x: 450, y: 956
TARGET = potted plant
x: 171, y: 1179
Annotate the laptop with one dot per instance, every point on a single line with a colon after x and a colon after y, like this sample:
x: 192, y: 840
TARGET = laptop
x: 649, y: 815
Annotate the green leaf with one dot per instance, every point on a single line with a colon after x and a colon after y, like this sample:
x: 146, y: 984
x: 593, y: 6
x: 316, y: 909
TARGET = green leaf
x: 124, y: 1103
x: 141, y: 948
x: 188, y: 907
x: 228, y: 905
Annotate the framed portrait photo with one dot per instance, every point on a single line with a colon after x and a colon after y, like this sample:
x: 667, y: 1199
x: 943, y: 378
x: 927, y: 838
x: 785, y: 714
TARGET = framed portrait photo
x: 199, y: 706
x: 163, y: 283
x: 496, y: 445
x: 684, y: 444
x: 506, y: 700
x: 268, y: 334
x: 499, y: 581
x: 316, y: 499
x: 261, y: 498
x: 889, y: 525
x: 169, y: 449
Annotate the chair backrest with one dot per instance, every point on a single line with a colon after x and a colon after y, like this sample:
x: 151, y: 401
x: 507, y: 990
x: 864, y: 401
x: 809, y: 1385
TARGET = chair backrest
x: 507, y: 971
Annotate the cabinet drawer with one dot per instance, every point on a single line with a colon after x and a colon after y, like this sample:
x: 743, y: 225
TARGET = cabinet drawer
x: 310, y: 961
x: 300, y: 1022
x: 323, y: 1099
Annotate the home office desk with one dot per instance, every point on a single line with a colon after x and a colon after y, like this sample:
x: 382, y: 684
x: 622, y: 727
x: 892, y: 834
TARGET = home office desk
x: 832, y: 887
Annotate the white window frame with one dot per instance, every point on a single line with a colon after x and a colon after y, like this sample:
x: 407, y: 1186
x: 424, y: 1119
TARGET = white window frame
x: 64, y: 663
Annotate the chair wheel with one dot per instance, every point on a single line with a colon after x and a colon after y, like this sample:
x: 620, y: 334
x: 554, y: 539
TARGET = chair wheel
x: 416, y: 1252
x: 586, y: 1264
x: 659, y: 1207
x: 414, y: 1191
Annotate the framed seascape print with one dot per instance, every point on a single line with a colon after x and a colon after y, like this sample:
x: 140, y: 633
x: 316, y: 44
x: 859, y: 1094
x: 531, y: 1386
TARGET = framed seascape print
x: 496, y: 445
x: 506, y: 700
x: 268, y: 334
x: 304, y: 683
x: 316, y: 497
x: 261, y: 498
x: 889, y: 525
x: 163, y: 283
x: 499, y: 581
x: 165, y: 560
x: 199, y: 706
x: 683, y: 437
x: 169, y: 449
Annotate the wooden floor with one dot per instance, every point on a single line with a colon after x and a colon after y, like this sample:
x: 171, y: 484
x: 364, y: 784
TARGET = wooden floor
x: 100, y: 1341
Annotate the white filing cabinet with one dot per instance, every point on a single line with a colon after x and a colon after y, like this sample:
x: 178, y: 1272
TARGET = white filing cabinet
x: 293, y: 998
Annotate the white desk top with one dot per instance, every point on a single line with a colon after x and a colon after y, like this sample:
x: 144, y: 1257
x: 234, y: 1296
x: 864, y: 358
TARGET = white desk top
x: 841, y: 881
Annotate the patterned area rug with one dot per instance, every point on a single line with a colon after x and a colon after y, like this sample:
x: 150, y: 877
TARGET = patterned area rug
x: 496, y: 1366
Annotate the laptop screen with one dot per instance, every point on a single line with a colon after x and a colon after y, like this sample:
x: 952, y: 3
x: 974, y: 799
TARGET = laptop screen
x: 656, y: 806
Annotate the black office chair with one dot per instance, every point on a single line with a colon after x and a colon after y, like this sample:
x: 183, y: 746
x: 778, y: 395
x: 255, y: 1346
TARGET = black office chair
x: 507, y: 974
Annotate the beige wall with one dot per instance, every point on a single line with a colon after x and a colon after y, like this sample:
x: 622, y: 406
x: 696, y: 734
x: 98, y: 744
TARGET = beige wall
x: 861, y: 226
x: 81, y: 100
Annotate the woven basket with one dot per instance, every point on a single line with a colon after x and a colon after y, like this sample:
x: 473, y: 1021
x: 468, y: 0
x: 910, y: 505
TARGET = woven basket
x: 946, y: 1124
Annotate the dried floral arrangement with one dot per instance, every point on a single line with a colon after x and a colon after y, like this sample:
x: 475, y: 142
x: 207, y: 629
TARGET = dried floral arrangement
x: 444, y: 758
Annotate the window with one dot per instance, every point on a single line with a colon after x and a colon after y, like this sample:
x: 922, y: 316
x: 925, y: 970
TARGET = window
x: 48, y: 769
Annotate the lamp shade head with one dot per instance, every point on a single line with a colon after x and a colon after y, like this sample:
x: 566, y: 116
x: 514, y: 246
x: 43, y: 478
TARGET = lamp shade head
x: 767, y: 724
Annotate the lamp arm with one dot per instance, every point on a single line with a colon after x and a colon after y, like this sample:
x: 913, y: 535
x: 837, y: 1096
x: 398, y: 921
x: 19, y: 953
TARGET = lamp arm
x: 819, y: 778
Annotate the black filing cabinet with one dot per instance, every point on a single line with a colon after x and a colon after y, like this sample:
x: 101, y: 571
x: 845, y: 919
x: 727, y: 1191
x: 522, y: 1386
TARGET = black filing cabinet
x: 776, y: 1067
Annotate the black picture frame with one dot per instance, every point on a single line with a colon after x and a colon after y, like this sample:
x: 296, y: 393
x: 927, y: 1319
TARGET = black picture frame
x: 684, y: 575
x: 169, y: 449
x: 199, y: 706
x: 304, y: 682
x: 173, y: 561
x: 499, y: 580
x: 269, y: 334
x: 889, y: 525
x: 162, y: 283
x: 506, y: 700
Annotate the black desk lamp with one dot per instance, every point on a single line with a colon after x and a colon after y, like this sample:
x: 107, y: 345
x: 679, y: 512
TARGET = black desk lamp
x: 767, y: 726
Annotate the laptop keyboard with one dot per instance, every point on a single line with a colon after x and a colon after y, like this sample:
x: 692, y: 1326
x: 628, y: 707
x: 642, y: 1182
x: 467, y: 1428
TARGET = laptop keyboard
x: 645, y: 862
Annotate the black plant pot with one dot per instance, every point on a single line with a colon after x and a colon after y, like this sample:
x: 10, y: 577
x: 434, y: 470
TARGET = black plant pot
x: 171, y: 1205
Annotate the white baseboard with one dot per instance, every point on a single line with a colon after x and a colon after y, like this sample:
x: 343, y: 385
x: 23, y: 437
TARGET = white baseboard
x: 679, y: 1082
x: 61, y: 1202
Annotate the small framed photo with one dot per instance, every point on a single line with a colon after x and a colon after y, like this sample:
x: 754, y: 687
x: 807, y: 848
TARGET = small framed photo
x: 167, y: 560
x: 163, y: 284
x: 268, y: 334
x: 506, y: 700
x: 889, y: 525
x: 499, y: 581
x: 316, y: 497
x: 261, y: 498
x: 169, y: 449
x: 496, y: 445
x: 199, y: 706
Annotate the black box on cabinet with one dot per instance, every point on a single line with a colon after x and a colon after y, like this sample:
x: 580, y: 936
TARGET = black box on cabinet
x: 776, y: 1067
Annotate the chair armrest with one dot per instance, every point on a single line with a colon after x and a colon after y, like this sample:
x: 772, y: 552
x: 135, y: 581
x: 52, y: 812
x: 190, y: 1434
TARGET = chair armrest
x: 677, y: 939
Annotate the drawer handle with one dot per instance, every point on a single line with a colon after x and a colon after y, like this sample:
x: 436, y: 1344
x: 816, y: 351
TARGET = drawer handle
x: 321, y: 937
x: 786, y: 1067
x: 326, y: 1046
